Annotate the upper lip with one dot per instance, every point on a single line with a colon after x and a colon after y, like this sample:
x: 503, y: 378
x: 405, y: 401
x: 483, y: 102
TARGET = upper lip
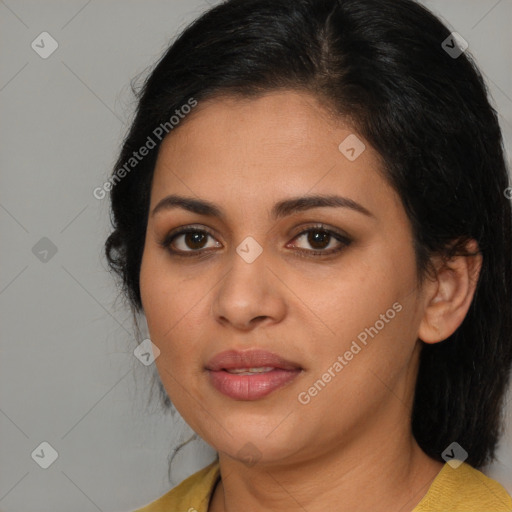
x: 233, y: 359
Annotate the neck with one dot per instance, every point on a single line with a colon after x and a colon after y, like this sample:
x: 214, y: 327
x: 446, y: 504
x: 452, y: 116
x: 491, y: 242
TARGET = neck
x: 389, y: 472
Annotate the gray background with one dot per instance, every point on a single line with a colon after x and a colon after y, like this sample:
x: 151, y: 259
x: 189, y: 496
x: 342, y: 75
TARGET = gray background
x: 68, y: 375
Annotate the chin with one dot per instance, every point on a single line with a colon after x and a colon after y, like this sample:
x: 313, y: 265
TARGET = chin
x: 252, y: 445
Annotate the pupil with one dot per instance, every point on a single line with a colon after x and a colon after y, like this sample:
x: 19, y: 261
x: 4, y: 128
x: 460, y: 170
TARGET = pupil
x: 195, y: 240
x: 318, y: 239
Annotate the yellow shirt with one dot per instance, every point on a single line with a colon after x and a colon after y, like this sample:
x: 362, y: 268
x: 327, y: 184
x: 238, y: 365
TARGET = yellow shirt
x: 464, y: 489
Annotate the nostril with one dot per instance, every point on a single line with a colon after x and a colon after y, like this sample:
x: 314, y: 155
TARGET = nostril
x: 259, y: 319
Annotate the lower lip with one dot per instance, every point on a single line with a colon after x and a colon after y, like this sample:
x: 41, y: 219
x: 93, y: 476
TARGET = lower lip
x: 250, y: 387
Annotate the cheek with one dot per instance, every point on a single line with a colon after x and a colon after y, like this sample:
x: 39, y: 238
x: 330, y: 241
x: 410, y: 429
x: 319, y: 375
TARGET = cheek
x: 174, y: 310
x: 152, y: 286
x: 372, y: 303
x: 163, y: 293
x: 158, y: 294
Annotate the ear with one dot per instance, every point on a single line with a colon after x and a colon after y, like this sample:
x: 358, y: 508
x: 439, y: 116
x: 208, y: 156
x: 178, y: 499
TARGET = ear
x: 449, y: 294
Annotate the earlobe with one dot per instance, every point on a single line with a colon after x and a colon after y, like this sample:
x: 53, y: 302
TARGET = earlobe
x: 449, y: 295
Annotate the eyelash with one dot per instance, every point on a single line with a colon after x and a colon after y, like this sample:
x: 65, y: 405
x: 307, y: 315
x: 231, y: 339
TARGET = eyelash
x: 170, y: 237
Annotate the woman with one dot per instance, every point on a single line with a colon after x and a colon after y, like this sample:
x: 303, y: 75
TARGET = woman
x: 312, y: 218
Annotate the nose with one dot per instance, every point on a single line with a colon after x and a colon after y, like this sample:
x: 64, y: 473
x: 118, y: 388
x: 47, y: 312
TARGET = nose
x: 249, y: 295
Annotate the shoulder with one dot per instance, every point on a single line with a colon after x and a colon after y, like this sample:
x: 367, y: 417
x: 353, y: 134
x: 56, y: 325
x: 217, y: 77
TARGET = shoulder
x: 193, y: 494
x: 464, y: 489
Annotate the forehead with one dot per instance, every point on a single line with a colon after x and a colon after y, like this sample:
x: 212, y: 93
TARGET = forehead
x: 281, y: 123
x: 253, y: 149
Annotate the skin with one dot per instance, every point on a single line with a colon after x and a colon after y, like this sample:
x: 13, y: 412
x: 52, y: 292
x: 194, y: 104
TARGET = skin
x: 352, y: 444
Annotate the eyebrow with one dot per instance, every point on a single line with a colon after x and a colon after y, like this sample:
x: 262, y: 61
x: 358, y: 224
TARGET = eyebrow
x: 279, y: 210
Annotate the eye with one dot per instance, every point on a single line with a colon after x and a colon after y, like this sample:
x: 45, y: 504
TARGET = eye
x: 188, y: 240
x: 323, y: 241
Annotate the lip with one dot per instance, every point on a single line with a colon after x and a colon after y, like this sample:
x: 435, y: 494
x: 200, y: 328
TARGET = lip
x: 232, y: 359
x: 250, y: 387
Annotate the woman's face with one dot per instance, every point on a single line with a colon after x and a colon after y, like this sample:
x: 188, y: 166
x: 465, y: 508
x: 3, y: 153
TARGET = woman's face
x: 330, y: 291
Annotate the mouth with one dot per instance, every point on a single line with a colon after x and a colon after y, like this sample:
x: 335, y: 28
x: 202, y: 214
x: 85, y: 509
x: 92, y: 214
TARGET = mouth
x: 250, y: 375
x: 249, y: 371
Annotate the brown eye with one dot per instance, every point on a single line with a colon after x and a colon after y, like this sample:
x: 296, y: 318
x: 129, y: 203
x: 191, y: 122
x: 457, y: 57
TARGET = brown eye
x: 195, y: 240
x: 188, y: 242
x: 321, y: 241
